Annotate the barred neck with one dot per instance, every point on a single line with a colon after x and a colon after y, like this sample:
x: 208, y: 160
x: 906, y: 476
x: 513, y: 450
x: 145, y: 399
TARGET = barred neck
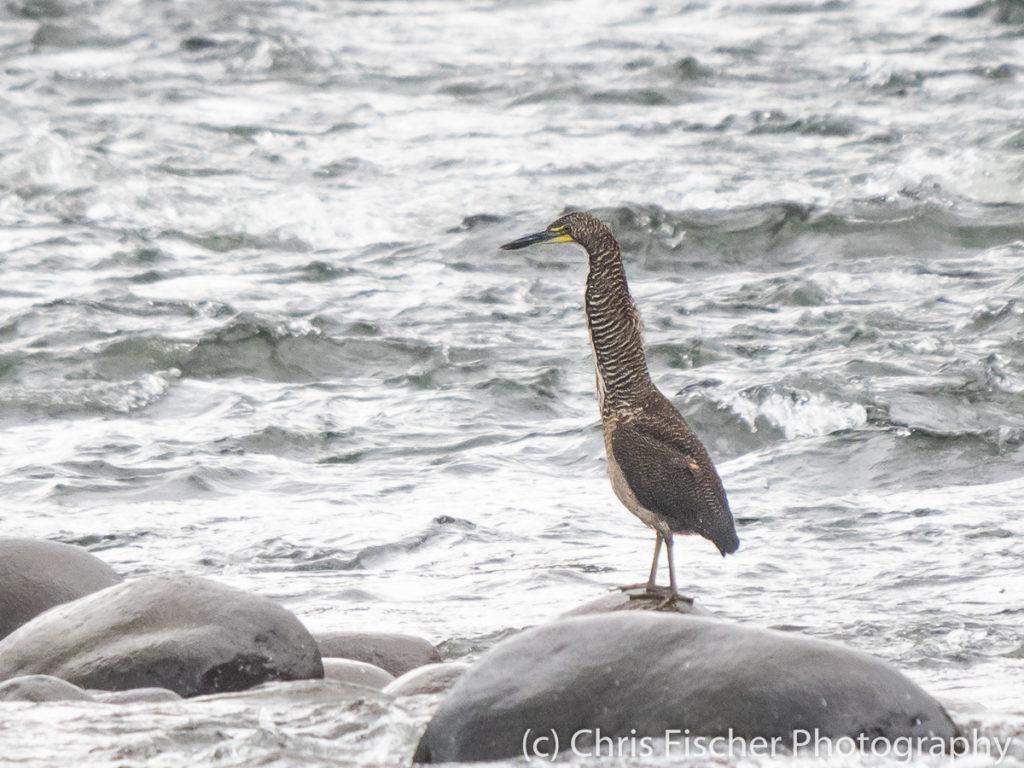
x: 615, y: 328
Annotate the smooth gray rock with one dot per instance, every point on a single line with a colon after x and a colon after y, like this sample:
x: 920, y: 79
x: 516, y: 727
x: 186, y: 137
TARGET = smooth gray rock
x: 396, y: 654
x: 356, y: 672
x: 430, y: 678
x: 286, y: 696
x: 635, y: 600
x: 136, y: 696
x: 41, y: 688
x: 188, y: 634
x: 642, y: 674
x: 36, y: 575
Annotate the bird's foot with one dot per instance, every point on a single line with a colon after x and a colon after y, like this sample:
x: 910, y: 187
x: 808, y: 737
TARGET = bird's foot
x: 667, y: 595
x: 671, y: 598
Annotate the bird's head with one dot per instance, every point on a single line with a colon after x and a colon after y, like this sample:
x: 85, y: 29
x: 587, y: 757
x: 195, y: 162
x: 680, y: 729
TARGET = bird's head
x: 575, y: 227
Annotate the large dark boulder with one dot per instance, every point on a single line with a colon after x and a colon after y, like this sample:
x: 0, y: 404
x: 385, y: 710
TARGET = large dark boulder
x: 36, y: 574
x: 641, y: 674
x: 394, y: 653
x: 188, y: 634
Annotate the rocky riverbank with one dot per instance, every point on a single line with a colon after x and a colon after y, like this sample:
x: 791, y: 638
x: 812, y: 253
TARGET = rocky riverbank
x: 606, y: 670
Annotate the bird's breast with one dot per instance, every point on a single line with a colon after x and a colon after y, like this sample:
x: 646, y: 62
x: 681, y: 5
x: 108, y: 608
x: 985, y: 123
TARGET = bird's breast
x: 621, y: 486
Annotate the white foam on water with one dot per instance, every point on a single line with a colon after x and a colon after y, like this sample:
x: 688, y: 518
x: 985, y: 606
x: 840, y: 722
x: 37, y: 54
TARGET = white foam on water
x: 797, y: 413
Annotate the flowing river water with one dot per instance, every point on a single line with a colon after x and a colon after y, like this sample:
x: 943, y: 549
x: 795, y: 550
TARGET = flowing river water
x: 254, y: 324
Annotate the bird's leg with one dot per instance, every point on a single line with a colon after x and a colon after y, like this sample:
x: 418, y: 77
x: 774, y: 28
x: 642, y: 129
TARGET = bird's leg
x: 671, y: 566
x: 654, y: 565
x: 649, y: 586
x: 672, y: 594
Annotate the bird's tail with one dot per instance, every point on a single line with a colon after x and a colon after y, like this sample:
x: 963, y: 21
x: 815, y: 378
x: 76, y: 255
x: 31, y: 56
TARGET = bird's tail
x: 726, y: 539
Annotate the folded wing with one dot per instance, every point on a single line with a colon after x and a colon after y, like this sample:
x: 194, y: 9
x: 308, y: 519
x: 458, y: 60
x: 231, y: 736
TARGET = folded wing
x: 671, y: 474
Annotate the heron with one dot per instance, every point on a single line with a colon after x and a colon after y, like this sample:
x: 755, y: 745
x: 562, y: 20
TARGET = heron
x: 657, y: 466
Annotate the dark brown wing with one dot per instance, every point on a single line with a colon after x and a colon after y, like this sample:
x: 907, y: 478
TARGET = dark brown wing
x: 671, y: 473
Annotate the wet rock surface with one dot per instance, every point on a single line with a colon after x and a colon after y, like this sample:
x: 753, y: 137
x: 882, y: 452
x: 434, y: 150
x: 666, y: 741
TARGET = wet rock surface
x: 187, y: 634
x: 136, y: 696
x: 394, y: 653
x: 356, y: 672
x: 281, y: 696
x: 637, y: 599
x: 431, y: 678
x: 642, y: 674
x: 39, y: 688
x: 36, y: 575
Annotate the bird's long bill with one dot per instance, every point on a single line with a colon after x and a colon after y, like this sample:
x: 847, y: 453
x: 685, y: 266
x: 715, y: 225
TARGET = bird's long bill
x: 547, y: 236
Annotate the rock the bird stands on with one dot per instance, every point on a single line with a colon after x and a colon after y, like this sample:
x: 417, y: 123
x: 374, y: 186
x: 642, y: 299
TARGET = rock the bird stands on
x: 658, y: 468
